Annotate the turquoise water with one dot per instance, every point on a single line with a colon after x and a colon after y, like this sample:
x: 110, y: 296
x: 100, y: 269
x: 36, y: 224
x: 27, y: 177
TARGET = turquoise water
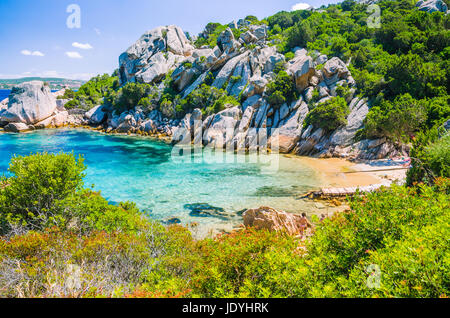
x: 144, y: 171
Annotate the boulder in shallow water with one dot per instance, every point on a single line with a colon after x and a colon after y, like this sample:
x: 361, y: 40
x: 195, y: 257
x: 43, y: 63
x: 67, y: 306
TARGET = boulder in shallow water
x: 29, y: 103
x: 16, y: 127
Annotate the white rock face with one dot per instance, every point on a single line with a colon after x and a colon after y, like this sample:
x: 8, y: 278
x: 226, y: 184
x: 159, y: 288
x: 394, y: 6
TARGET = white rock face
x: 29, y: 103
x: 358, y: 112
x: 227, y: 71
x: 96, y: 115
x: 138, y: 62
x: 335, y: 70
x: 158, y: 66
x: 286, y: 137
x: 302, y: 69
x: 222, y: 128
x: 264, y: 60
x: 432, y: 6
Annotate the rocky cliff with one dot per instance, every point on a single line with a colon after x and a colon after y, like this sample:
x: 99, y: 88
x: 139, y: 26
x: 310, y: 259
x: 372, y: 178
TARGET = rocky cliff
x: 243, y: 67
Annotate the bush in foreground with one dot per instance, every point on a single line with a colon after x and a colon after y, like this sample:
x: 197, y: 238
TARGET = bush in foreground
x: 393, y: 243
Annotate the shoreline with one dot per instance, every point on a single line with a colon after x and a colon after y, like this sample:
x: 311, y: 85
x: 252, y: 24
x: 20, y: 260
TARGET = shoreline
x: 332, y: 172
x: 339, y: 172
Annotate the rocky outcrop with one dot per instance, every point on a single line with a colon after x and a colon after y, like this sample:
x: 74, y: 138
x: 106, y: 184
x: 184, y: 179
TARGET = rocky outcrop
x: 432, y: 6
x: 29, y: 103
x: 302, y: 69
x: 243, y: 68
x: 335, y: 70
x: 221, y: 130
x: 17, y: 127
x: 154, y: 54
x: 266, y: 218
x: 96, y: 115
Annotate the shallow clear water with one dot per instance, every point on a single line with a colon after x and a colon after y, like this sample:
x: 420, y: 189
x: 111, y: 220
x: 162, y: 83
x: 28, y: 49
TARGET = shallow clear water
x: 144, y: 171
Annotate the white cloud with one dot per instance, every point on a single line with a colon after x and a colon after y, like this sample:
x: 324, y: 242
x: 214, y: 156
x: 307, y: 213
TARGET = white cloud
x: 34, y: 53
x: 74, y: 55
x: 301, y: 6
x: 98, y: 31
x: 82, y: 46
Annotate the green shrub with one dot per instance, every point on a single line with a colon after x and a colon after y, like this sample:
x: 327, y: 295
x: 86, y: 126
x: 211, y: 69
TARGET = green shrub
x: 130, y: 95
x: 289, y: 56
x: 329, y: 115
x: 430, y: 157
x: 93, y: 92
x: 68, y: 94
x: 396, y: 120
x: 281, y: 90
x: 36, y: 184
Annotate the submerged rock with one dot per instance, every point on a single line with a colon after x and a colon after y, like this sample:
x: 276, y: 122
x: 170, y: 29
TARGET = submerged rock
x: 205, y: 210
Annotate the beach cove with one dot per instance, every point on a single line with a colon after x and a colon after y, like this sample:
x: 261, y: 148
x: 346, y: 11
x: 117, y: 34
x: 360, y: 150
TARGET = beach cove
x: 210, y: 189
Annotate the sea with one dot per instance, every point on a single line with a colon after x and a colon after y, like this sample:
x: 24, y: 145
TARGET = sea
x: 4, y: 93
x: 166, y: 186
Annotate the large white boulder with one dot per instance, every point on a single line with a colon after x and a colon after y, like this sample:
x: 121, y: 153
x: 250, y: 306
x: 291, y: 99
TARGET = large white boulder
x: 335, y: 70
x: 96, y: 115
x: 162, y: 45
x: 222, y: 128
x: 29, y: 103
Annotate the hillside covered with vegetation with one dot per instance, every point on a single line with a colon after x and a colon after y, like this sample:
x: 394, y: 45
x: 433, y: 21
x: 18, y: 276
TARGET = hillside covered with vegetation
x: 402, y: 68
x: 54, y: 83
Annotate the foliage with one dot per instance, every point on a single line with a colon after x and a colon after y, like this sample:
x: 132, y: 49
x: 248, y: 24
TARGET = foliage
x: 329, y: 115
x: 109, y: 251
x: 92, y: 93
x: 209, y: 99
x: 281, y: 90
x: 396, y: 120
x: 131, y: 95
x: 430, y: 157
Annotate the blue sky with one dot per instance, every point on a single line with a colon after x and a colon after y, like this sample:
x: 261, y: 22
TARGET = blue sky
x: 37, y: 42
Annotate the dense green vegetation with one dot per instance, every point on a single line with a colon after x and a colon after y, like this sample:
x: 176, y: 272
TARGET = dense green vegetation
x: 328, y: 115
x: 60, y: 240
x: 281, y: 90
x: 92, y: 93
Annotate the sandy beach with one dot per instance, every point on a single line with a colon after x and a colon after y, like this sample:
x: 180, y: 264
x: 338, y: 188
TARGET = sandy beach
x: 335, y: 172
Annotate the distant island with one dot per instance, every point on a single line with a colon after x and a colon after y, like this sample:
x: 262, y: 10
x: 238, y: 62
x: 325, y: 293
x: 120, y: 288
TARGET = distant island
x: 55, y: 83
